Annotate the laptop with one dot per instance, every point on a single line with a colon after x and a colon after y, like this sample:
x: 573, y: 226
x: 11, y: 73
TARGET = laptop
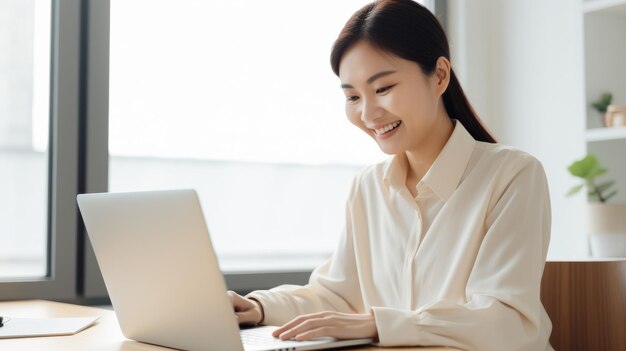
x: 163, y: 278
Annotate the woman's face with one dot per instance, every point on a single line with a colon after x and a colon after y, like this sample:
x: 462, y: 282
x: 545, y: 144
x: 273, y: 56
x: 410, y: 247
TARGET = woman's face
x: 390, y: 98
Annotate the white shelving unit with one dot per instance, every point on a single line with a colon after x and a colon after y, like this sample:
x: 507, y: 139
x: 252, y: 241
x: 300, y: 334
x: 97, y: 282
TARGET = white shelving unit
x: 604, y: 24
x: 590, y: 6
x: 606, y: 134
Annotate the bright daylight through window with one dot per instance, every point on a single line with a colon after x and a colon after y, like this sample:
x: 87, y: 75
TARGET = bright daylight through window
x: 24, y: 118
x: 237, y: 100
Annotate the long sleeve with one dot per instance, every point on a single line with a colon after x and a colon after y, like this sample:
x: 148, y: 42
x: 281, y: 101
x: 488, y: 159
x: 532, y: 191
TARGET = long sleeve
x: 503, y: 309
x: 333, y: 286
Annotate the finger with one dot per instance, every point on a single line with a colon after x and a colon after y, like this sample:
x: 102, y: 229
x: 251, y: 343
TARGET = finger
x: 276, y: 333
x: 316, y: 333
x: 287, y: 326
x: 305, y: 326
x: 298, y: 320
x: 246, y: 317
x: 239, y: 303
x: 232, y: 296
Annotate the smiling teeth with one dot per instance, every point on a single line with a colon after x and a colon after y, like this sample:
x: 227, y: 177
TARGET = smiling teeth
x: 387, y: 128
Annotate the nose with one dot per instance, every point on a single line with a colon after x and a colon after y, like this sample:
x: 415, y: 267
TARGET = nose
x: 371, y: 111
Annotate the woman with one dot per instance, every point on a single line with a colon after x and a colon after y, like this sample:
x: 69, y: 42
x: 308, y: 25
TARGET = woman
x: 445, y: 242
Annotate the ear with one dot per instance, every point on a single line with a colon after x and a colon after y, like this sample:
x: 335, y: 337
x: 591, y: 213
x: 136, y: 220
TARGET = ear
x: 442, y: 74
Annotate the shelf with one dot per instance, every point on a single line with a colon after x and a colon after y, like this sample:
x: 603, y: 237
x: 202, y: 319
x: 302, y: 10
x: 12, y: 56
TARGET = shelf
x: 602, y: 134
x: 617, y: 6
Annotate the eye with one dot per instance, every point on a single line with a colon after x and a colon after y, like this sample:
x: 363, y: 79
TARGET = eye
x: 352, y: 98
x: 384, y: 89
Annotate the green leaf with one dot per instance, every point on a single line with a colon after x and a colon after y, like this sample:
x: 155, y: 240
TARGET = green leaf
x: 574, y: 190
x: 598, y: 171
x: 603, y: 102
x: 589, y: 169
x: 582, y: 168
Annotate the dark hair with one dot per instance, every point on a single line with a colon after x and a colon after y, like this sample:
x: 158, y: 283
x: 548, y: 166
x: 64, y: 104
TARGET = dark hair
x: 410, y: 31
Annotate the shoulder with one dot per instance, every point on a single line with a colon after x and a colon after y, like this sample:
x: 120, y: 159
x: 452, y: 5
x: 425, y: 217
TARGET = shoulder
x: 517, y: 181
x: 506, y: 161
x: 509, y: 170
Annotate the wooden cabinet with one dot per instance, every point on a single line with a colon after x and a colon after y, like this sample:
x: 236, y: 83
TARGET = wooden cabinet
x: 586, y: 302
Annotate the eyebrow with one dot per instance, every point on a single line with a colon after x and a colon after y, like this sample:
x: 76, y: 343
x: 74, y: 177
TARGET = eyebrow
x: 371, y: 79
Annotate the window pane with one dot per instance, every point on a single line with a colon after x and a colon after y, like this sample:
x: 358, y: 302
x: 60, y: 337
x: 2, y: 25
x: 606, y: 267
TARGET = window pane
x: 237, y: 100
x: 24, y: 117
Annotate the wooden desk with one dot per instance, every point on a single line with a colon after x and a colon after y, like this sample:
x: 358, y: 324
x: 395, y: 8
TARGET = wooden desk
x: 104, y: 336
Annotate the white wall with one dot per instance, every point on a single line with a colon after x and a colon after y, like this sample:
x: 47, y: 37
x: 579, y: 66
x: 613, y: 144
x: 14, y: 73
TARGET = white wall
x: 521, y: 64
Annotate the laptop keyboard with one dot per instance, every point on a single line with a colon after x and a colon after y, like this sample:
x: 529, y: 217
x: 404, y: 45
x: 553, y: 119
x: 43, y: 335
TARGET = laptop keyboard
x: 259, y: 337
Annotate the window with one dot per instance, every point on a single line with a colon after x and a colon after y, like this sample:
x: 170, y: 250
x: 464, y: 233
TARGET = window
x: 24, y: 115
x: 237, y: 100
x: 39, y: 90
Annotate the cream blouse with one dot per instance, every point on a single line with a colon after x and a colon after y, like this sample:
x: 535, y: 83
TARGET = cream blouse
x: 459, y: 265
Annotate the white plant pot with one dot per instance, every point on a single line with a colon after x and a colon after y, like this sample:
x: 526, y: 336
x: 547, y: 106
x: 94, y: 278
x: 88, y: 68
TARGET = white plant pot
x: 607, y: 230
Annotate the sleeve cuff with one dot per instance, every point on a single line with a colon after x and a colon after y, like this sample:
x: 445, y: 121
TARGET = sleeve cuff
x: 394, y: 327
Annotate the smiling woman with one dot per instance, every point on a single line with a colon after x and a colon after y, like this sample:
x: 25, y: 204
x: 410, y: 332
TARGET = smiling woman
x: 376, y: 104
x: 444, y: 243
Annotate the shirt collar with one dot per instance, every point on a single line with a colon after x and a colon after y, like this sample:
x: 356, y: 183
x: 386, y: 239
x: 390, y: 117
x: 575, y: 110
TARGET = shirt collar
x: 445, y: 173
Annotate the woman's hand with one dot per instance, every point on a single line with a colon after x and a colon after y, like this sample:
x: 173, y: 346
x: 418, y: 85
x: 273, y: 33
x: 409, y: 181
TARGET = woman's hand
x: 336, y: 324
x: 248, y: 311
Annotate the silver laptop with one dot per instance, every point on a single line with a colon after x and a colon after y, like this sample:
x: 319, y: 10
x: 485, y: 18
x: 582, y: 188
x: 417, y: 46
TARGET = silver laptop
x: 163, y: 278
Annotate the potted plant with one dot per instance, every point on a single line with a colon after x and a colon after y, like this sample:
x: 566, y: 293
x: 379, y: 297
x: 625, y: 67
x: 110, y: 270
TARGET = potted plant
x: 601, y: 105
x: 607, y: 221
x: 611, y: 115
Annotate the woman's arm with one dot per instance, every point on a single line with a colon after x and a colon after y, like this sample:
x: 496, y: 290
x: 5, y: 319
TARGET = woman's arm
x: 333, y: 286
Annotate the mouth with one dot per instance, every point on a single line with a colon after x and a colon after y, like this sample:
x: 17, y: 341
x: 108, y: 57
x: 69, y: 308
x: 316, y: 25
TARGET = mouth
x: 388, y: 128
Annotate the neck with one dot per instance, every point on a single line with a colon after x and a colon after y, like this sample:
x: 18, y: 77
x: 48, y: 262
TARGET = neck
x: 420, y: 159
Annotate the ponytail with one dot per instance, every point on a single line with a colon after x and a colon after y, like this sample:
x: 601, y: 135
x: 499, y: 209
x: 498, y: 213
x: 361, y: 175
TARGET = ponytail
x: 458, y: 107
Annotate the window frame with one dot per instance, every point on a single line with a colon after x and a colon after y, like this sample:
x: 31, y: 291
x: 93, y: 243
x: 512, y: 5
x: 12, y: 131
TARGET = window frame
x: 60, y: 282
